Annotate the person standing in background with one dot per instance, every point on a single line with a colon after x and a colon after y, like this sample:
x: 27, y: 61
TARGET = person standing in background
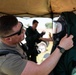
x: 32, y: 38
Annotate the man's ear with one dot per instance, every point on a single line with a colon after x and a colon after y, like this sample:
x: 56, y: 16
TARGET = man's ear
x: 8, y: 39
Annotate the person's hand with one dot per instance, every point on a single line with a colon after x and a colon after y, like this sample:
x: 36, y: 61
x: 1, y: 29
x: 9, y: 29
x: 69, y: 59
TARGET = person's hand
x: 66, y: 42
x: 42, y: 33
x: 50, y: 36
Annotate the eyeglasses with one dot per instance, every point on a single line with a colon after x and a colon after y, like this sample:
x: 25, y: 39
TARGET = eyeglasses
x: 18, y: 32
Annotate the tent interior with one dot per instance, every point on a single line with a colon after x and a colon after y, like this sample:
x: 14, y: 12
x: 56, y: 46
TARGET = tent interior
x: 37, y: 8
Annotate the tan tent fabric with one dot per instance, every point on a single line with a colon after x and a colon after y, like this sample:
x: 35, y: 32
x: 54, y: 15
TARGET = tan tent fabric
x: 33, y: 8
x: 63, y: 5
x: 36, y: 7
x: 12, y: 6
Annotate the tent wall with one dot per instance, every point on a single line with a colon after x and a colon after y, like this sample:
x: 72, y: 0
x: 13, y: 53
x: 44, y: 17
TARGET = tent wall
x: 31, y: 8
x: 63, y: 5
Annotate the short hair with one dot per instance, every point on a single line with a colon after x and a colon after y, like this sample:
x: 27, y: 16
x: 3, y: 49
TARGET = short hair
x: 6, y: 24
x: 35, y: 21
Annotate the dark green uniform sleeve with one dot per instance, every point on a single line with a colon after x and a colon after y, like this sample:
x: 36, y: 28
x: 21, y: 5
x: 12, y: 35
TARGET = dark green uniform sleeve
x: 60, y: 69
x: 65, y: 64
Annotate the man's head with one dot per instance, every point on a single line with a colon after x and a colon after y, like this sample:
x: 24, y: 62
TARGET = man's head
x: 7, y: 22
x: 34, y: 24
x: 11, y: 31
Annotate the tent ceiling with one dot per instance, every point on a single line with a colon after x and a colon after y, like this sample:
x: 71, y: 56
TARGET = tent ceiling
x: 63, y: 5
x: 31, y: 8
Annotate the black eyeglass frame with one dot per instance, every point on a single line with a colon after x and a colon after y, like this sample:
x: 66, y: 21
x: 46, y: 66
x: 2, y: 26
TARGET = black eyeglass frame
x: 18, y: 32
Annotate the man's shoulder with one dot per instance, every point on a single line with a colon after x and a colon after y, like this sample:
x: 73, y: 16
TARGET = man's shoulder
x: 29, y: 30
x: 16, y: 64
x: 29, y: 27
